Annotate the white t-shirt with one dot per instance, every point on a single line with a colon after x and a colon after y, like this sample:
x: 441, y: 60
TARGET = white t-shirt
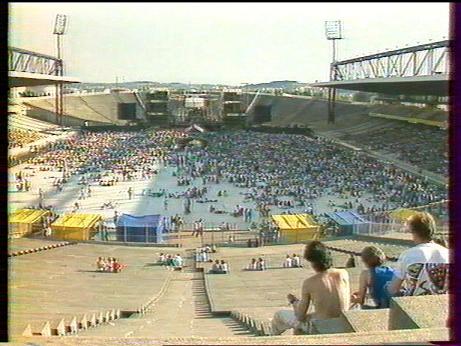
x: 296, y: 261
x: 179, y: 260
x: 424, y: 269
x: 288, y: 262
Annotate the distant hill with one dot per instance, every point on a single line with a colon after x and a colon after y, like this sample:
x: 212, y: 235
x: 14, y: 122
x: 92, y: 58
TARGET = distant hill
x: 283, y: 84
x: 141, y: 84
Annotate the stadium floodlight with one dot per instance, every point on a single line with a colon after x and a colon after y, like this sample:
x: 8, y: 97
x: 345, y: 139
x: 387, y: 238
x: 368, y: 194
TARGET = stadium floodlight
x: 333, y: 30
x: 60, y: 24
x: 59, y: 30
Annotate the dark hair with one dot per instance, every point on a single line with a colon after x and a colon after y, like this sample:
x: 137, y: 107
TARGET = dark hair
x: 320, y: 257
x: 373, y: 256
x: 422, y: 224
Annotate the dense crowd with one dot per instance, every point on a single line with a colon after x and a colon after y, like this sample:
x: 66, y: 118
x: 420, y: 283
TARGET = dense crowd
x: 122, y: 155
x: 274, y: 168
x: 421, y: 145
x: 20, y: 138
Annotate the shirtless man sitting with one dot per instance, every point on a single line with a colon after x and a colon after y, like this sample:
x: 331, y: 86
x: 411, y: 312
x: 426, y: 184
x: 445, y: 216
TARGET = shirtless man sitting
x: 328, y: 290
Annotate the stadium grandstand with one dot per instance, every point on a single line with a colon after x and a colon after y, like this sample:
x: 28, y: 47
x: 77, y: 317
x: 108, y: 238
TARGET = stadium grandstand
x: 291, y: 230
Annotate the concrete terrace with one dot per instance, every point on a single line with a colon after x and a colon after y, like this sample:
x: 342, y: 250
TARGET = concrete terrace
x: 63, y: 283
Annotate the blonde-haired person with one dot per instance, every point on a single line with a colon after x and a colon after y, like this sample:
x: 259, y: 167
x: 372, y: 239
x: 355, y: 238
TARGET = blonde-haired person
x: 422, y: 269
x: 374, y: 279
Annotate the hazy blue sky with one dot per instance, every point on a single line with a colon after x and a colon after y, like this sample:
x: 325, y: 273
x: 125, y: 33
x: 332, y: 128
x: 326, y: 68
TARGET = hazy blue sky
x: 228, y: 43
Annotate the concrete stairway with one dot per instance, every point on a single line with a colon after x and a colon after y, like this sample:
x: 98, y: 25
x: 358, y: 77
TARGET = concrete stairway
x: 183, y: 310
x: 404, y: 313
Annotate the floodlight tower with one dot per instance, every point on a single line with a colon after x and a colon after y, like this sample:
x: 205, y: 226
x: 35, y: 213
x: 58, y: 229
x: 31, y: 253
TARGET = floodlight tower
x: 333, y: 32
x: 59, y: 30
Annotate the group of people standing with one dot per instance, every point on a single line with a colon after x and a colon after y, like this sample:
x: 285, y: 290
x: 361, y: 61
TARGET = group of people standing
x: 198, y: 228
x: 203, y: 254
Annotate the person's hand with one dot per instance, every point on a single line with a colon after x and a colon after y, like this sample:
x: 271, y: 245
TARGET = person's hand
x: 355, y: 298
x: 291, y: 298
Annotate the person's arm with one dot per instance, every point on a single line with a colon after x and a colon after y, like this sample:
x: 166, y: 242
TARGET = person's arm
x: 395, y: 285
x: 399, y: 275
x: 364, y: 283
x: 301, y: 307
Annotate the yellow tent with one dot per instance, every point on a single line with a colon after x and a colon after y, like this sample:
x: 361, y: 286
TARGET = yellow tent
x: 297, y: 228
x: 76, y: 226
x: 25, y: 221
x: 402, y: 214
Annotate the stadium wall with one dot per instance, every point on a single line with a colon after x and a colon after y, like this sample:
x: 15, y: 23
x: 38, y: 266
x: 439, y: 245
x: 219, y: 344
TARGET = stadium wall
x: 97, y: 109
x: 49, y: 116
x: 313, y: 112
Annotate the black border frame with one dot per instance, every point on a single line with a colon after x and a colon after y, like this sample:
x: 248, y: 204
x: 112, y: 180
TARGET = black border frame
x: 454, y: 188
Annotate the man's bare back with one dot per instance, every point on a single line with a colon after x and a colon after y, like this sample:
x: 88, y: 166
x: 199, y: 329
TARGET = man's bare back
x: 329, y: 292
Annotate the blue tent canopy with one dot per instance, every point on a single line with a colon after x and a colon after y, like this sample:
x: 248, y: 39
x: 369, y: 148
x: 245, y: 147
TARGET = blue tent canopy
x: 349, y: 222
x: 147, y: 228
x: 350, y: 217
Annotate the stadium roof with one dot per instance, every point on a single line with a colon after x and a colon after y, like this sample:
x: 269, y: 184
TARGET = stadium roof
x: 416, y: 85
x: 27, y: 79
x: 27, y: 68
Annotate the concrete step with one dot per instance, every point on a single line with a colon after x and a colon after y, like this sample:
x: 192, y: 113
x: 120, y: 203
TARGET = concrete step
x: 430, y: 311
x: 332, y: 326
x: 119, y: 328
x: 395, y: 337
x: 368, y: 320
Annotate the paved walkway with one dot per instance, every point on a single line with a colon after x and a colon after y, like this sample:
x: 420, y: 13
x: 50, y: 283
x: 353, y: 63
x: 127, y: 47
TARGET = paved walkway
x: 182, y: 311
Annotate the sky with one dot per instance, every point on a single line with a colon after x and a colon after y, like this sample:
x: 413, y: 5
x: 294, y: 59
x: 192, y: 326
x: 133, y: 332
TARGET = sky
x: 222, y: 43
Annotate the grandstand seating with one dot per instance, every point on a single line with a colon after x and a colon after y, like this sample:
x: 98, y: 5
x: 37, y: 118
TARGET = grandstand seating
x: 22, y: 122
x: 421, y: 145
x: 410, y: 142
x: 19, y: 138
x: 23, y: 130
